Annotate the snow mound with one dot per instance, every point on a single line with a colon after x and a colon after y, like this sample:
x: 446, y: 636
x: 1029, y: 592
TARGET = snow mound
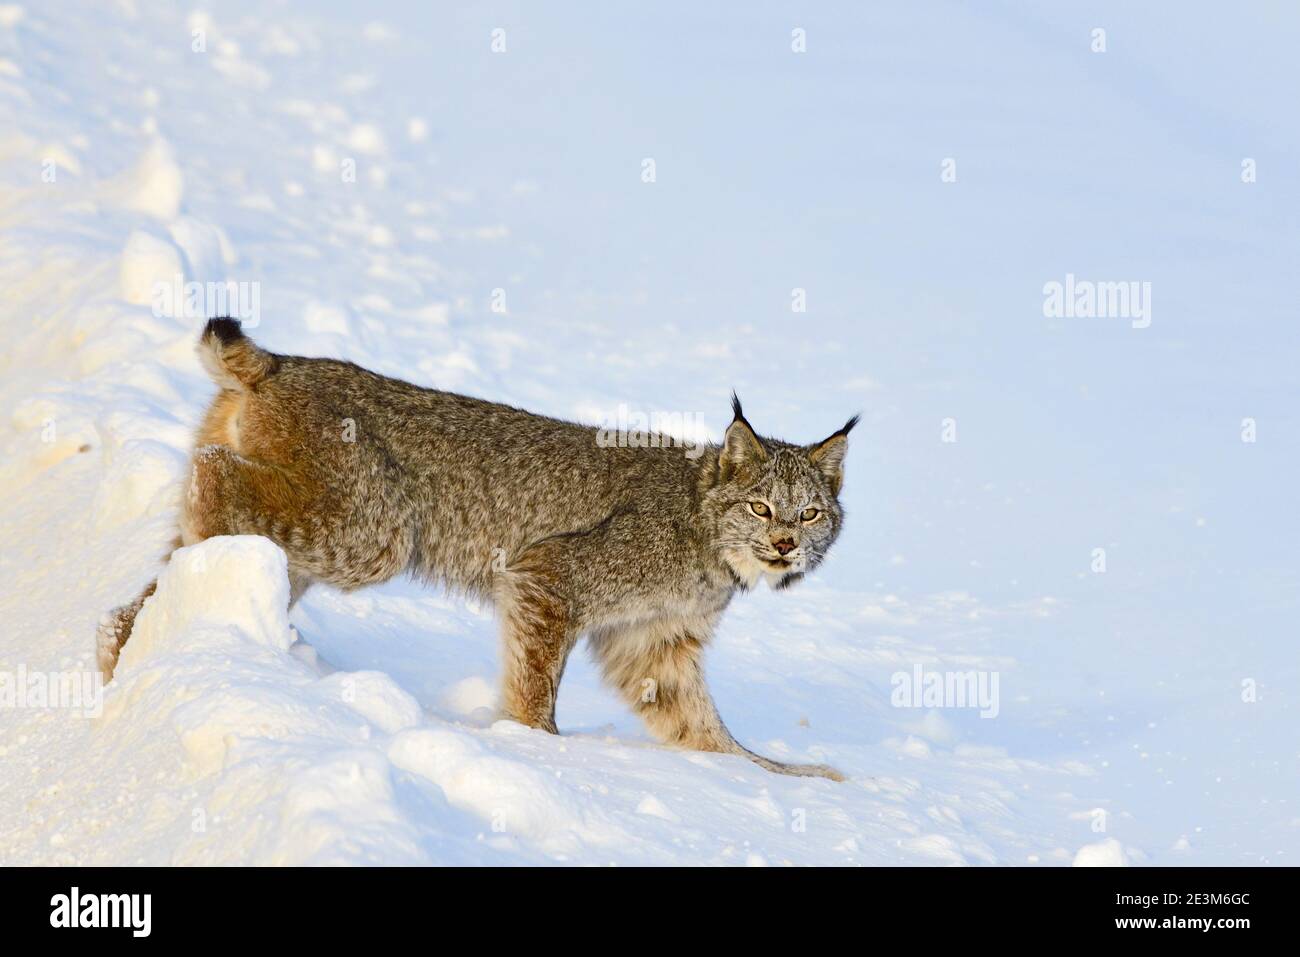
x: 278, y: 765
x: 207, y: 248
x: 1107, y: 853
x: 376, y: 697
x: 510, y: 796
x: 154, y: 186
x: 474, y: 696
x: 212, y: 596
x: 305, y: 768
x: 141, y: 481
x: 147, y: 263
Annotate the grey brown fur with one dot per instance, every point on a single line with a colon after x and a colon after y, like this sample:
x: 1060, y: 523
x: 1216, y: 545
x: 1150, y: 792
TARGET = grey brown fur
x: 359, y: 478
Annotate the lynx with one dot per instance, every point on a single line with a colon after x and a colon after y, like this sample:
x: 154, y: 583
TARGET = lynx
x: 359, y: 478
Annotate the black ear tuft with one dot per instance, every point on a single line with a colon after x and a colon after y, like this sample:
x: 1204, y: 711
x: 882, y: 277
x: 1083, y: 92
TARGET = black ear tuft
x: 828, y: 454
x: 741, y: 446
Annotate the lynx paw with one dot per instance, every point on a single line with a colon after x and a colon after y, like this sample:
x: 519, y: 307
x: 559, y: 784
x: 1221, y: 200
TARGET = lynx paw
x: 113, y: 631
x: 108, y: 643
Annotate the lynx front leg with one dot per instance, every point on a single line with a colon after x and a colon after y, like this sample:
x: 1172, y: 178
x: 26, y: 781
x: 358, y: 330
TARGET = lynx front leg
x: 537, y: 636
x: 659, y: 671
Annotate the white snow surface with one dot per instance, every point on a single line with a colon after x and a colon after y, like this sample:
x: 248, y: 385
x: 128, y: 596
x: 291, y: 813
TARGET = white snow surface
x: 406, y: 198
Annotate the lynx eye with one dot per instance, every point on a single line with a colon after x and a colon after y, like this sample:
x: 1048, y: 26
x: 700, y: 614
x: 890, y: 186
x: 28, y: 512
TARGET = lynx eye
x: 808, y: 514
x: 760, y: 509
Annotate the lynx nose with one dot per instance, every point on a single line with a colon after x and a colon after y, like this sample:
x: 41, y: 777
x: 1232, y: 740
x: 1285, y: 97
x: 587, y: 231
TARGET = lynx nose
x: 785, y: 546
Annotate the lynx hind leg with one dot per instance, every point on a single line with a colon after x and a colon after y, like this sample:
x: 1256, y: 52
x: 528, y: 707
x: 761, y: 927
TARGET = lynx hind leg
x: 537, y: 636
x: 226, y: 495
x: 659, y: 671
x: 324, y: 538
x: 230, y: 495
x: 114, y: 631
x: 116, y: 626
x: 222, y: 484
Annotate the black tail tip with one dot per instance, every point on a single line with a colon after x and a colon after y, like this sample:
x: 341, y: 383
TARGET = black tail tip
x: 225, y: 329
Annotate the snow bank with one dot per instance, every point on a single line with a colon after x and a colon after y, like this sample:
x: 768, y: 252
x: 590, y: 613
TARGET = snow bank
x: 279, y: 763
x: 335, y: 762
x: 511, y: 797
x: 1107, y: 853
x: 210, y: 597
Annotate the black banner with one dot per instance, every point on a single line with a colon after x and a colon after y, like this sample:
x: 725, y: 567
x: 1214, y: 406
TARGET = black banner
x: 1167, y: 905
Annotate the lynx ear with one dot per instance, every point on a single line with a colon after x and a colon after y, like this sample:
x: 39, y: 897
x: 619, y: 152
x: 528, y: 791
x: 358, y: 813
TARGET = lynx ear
x: 741, y: 448
x: 828, y: 455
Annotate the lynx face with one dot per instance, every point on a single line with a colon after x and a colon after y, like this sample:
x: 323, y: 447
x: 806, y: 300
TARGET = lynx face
x: 776, y: 506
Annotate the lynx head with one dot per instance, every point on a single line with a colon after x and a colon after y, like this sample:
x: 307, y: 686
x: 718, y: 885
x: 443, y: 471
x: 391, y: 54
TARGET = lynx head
x: 775, y: 506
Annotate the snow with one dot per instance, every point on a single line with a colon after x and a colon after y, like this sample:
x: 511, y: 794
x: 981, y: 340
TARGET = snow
x: 395, y: 193
x: 147, y: 261
x: 1107, y: 853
